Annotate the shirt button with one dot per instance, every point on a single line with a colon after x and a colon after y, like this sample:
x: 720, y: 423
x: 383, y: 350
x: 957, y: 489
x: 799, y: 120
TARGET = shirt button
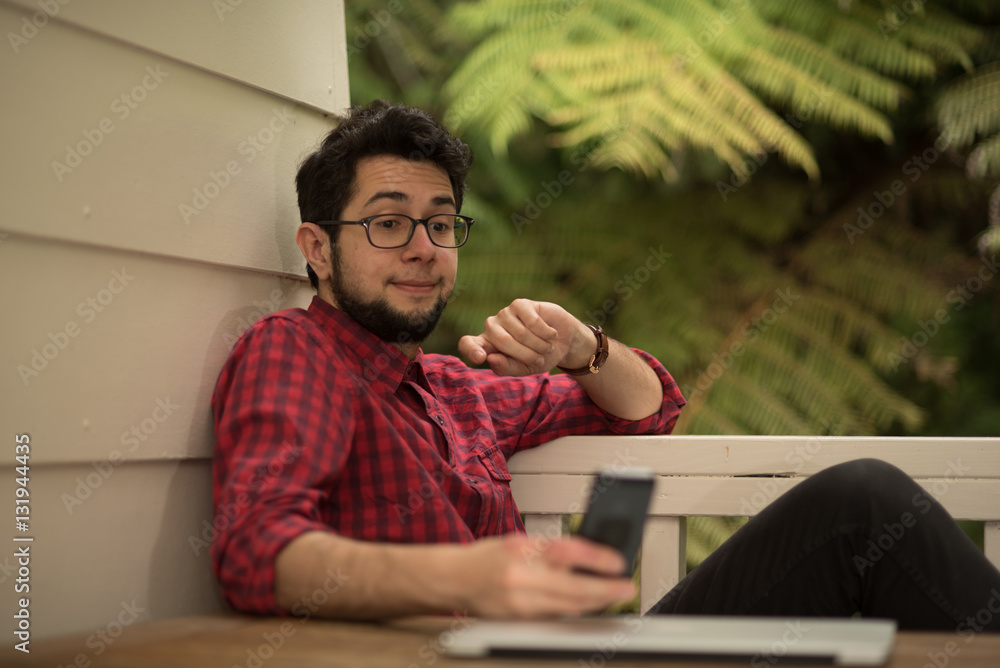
x: 440, y: 420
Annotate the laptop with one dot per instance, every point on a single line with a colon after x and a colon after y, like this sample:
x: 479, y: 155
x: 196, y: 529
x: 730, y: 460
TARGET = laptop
x: 761, y: 641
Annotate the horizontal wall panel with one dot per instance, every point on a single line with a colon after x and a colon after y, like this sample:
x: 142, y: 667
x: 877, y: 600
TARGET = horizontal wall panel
x: 764, y: 455
x: 132, y: 550
x: 294, y: 49
x: 112, y: 145
x: 110, y: 354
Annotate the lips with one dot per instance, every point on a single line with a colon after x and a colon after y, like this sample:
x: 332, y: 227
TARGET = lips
x: 416, y: 285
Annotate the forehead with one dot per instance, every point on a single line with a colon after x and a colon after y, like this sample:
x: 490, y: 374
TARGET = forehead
x: 393, y: 173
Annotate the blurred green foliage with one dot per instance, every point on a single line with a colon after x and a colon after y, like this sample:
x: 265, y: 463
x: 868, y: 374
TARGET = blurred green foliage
x: 787, y: 202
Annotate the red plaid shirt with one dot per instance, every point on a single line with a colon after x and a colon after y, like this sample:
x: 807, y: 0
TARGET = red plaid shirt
x: 320, y: 425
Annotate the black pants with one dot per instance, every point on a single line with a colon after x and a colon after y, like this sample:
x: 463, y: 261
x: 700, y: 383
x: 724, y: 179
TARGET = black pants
x: 857, y: 537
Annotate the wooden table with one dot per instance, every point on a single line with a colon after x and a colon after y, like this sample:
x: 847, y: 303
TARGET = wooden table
x: 223, y: 641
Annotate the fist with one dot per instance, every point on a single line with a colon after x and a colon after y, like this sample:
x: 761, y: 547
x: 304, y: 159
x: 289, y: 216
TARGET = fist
x: 529, y: 337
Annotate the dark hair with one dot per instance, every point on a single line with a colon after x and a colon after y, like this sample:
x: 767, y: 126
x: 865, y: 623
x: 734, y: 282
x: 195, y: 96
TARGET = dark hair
x: 326, y: 179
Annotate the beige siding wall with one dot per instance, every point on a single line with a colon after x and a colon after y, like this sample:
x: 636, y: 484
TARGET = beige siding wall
x: 148, y: 217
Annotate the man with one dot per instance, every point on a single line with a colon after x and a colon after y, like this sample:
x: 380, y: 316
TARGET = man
x: 357, y: 454
x: 348, y: 461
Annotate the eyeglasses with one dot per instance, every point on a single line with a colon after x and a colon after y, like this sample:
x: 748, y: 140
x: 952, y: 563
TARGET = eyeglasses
x: 394, y: 230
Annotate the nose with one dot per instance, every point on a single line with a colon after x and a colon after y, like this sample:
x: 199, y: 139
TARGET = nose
x: 420, y: 245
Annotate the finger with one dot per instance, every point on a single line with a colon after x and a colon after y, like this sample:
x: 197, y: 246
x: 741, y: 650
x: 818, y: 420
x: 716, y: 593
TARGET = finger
x: 577, y: 552
x: 475, y: 348
x: 535, y: 586
x: 528, y: 313
x: 508, y: 322
x: 502, y: 365
x: 508, y: 345
x: 528, y: 327
x: 573, y: 594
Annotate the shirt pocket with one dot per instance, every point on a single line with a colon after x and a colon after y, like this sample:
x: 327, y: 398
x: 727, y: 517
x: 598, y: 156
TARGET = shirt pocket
x: 493, y: 461
x: 497, y: 513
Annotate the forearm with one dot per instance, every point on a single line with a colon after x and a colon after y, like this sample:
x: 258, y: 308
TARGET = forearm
x: 625, y: 386
x: 364, y: 580
x: 532, y: 337
x: 509, y: 576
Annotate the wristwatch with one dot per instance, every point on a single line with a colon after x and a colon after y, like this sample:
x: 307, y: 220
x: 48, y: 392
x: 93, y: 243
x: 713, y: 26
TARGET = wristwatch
x: 597, y: 360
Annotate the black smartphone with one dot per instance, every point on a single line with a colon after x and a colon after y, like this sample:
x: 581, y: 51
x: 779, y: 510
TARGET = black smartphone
x: 616, y: 511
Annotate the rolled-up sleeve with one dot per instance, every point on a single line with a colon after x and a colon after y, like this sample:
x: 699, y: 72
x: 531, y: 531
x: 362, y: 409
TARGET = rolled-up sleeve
x: 658, y: 423
x: 282, y: 433
x: 529, y: 411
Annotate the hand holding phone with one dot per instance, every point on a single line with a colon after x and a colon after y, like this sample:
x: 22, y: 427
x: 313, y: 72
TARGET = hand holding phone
x: 616, y: 512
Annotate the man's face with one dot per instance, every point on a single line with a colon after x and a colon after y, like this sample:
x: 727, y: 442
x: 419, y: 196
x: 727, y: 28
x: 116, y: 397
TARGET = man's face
x: 396, y: 293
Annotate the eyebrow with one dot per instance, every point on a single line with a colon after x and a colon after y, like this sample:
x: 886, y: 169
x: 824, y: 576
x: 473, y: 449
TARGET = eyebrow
x: 397, y: 196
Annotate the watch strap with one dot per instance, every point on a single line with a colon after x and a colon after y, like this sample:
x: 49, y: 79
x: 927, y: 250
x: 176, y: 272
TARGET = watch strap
x: 597, y: 360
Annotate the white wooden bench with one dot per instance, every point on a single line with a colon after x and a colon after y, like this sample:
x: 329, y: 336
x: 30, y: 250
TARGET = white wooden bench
x: 738, y: 476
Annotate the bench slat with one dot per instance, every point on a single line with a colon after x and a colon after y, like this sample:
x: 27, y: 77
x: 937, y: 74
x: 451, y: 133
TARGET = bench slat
x: 965, y: 499
x: 761, y: 455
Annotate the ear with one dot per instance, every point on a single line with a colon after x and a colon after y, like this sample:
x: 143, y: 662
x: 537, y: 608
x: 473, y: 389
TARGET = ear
x: 315, y: 246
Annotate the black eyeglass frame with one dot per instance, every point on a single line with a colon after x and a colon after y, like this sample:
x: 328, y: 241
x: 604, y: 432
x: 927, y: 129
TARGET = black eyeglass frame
x: 364, y: 222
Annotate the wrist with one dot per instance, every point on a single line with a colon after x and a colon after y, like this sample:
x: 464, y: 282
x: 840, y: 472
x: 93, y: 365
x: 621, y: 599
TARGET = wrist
x: 581, y: 349
x: 595, y: 360
x: 455, y: 574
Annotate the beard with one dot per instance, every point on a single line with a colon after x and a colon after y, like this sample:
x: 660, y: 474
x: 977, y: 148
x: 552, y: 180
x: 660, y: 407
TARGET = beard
x: 379, y: 317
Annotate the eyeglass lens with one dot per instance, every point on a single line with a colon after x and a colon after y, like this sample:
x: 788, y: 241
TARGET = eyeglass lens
x: 392, y: 231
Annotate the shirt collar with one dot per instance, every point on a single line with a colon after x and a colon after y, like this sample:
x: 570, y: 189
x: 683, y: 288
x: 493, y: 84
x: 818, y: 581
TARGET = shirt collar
x: 376, y: 358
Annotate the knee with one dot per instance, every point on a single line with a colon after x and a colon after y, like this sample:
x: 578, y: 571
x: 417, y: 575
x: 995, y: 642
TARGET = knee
x: 864, y: 475
x: 865, y: 480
